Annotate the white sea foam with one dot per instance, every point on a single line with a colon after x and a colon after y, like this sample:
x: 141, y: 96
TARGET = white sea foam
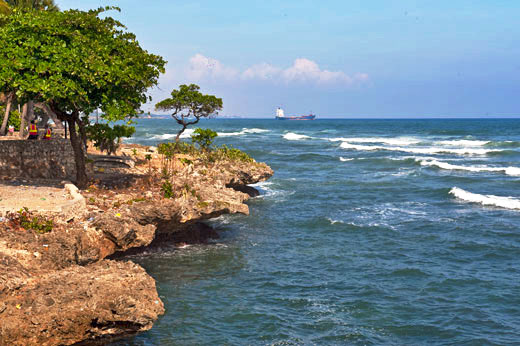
x: 425, y: 150
x: 332, y: 221
x: 186, y: 134
x: 243, y: 132
x: 463, y: 143
x: 291, y: 136
x: 514, y: 171
x: 342, y: 159
x: 503, y: 202
x: 390, y: 141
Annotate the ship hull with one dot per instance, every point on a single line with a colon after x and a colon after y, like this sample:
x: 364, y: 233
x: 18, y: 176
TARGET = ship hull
x: 302, y: 117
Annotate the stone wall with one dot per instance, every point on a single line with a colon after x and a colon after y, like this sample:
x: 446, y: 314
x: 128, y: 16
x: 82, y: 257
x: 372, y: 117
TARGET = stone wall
x: 49, y: 159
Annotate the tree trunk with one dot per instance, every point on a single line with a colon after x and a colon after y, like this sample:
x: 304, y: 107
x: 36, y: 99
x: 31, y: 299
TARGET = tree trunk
x: 179, y: 134
x: 23, y: 122
x: 7, y: 111
x: 50, y: 114
x: 79, y: 153
x: 27, y: 116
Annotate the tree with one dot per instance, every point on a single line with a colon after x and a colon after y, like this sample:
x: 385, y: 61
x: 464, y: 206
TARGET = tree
x: 76, y: 62
x: 40, y: 5
x: 5, y: 9
x: 189, y: 106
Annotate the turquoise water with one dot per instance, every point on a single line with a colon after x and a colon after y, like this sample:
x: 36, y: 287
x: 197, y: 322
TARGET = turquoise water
x: 359, y: 238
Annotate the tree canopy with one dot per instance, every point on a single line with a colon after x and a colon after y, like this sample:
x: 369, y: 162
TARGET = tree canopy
x: 76, y: 62
x: 47, y: 5
x: 189, y: 105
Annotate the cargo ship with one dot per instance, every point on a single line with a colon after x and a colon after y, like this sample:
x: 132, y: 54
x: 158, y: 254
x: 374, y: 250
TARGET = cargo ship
x: 280, y: 116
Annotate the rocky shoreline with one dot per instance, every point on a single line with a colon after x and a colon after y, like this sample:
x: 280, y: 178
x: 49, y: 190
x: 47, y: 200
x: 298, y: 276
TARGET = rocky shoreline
x: 73, y: 284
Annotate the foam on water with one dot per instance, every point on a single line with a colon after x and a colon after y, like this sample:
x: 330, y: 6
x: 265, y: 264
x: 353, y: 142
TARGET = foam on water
x: 342, y: 159
x: 291, y: 136
x: 243, y: 132
x: 417, y: 150
x: 463, y: 143
x: 390, y: 141
x: 503, y: 202
x: 186, y: 134
x: 514, y: 171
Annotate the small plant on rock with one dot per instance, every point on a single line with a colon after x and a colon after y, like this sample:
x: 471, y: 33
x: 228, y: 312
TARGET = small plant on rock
x: 204, y: 138
x: 25, y: 219
x: 167, y: 189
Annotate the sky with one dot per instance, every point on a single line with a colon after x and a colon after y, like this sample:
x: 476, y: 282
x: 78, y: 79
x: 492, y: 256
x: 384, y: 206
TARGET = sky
x: 361, y: 59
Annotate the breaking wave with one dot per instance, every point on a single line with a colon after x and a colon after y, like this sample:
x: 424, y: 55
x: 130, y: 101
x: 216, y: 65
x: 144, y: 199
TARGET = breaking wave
x: 290, y: 136
x: 243, y: 132
x: 514, y: 171
x: 342, y: 159
x: 463, y: 143
x: 426, y: 150
x: 390, y: 141
x: 502, y: 202
x: 186, y: 134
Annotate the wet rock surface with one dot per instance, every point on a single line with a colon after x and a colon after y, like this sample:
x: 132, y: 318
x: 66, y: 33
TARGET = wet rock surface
x: 60, y: 287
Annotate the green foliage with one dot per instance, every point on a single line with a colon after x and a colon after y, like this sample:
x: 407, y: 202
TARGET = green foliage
x: 41, y: 5
x: 167, y: 189
x: 203, y: 137
x: 169, y: 149
x: 108, y: 138
x: 14, y: 120
x: 76, y: 62
x: 186, y: 161
x: 35, y: 223
x: 188, y: 106
x: 229, y: 153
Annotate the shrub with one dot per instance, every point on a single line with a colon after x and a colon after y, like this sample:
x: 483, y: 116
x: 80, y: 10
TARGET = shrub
x: 167, y: 189
x: 25, y: 219
x: 14, y: 120
x: 203, y: 137
x: 230, y: 153
x: 108, y: 138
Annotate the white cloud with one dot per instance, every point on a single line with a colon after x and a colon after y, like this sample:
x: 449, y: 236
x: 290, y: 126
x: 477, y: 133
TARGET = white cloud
x: 302, y: 71
x: 202, y: 67
x: 263, y: 71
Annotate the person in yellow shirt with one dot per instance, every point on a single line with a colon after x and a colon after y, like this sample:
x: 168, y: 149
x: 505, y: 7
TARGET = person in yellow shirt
x: 33, y: 130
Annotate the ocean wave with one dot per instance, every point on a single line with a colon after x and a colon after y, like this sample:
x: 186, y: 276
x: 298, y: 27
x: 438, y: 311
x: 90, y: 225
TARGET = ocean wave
x: 426, y: 150
x: 291, y: 136
x: 513, y: 171
x: 332, y: 221
x: 186, y: 134
x: 463, y: 143
x: 390, y: 141
x: 243, y: 132
x: 342, y: 159
x: 498, y: 201
x: 502, y: 144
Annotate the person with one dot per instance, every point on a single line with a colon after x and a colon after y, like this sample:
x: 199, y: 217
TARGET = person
x: 33, y: 130
x: 11, y: 130
x: 48, y: 132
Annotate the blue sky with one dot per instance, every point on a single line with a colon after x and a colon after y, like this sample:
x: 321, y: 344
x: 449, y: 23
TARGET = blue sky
x: 365, y: 58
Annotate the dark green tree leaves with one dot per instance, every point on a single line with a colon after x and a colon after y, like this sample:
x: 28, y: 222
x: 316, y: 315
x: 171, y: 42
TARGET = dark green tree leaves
x: 76, y: 62
x: 189, y: 105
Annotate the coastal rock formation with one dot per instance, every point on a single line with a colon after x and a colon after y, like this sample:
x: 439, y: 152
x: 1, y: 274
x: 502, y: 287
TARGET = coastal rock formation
x: 60, y: 287
x: 67, y: 306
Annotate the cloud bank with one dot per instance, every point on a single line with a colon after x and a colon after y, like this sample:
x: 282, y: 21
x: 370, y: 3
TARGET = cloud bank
x: 303, y: 71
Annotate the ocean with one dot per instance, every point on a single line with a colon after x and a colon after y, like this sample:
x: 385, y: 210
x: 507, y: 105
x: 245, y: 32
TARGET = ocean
x: 371, y: 232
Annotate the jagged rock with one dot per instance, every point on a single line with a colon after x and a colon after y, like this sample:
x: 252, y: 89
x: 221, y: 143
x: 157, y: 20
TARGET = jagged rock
x: 58, y: 288
x: 64, y: 307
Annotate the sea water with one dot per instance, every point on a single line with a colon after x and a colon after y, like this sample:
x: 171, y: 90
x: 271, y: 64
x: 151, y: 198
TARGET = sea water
x: 395, y: 232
